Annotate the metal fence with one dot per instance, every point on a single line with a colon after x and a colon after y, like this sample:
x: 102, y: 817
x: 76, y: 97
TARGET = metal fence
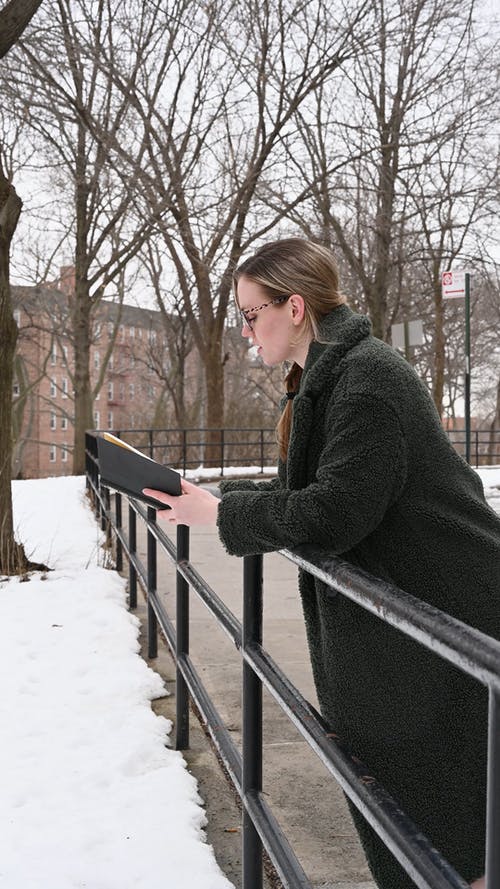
x: 212, y: 448
x: 484, y: 445
x: 250, y: 446
x: 463, y: 646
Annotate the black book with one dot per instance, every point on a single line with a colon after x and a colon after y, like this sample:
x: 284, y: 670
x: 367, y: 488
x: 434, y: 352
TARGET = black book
x: 127, y: 470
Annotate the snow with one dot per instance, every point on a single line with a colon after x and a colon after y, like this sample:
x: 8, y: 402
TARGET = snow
x: 91, y: 796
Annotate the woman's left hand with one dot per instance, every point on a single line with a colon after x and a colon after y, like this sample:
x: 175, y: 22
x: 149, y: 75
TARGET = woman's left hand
x: 195, y: 505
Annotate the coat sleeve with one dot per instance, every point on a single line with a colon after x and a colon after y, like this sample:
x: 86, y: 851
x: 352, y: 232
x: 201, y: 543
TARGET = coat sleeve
x: 360, y: 474
x: 247, y: 484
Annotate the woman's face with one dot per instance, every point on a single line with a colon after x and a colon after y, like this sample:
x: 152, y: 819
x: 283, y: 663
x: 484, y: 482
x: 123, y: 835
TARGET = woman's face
x: 277, y: 329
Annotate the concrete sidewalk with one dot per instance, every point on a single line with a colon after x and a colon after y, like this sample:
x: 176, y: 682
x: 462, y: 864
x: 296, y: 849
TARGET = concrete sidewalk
x: 301, y: 793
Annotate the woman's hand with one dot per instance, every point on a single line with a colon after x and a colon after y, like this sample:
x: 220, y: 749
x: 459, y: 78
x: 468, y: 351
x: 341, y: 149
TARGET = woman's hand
x: 195, y: 506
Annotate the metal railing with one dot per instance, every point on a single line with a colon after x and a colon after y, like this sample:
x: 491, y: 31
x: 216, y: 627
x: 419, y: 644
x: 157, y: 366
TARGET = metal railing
x: 484, y: 445
x: 466, y: 648
x: 213, y: 448
x: 256, y: 446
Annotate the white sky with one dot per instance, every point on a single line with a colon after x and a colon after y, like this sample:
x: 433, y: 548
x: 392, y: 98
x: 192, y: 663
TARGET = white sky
x: 91, y: 796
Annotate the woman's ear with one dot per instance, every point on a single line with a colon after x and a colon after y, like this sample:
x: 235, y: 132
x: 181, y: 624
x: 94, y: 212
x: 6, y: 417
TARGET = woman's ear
x: 298, y: 308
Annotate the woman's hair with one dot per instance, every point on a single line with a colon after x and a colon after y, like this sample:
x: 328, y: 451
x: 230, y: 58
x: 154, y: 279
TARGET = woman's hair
x: 293, y: 266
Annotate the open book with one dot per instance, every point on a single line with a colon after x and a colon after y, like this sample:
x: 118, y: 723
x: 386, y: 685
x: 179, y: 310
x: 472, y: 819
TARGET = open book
x: 127, y: 470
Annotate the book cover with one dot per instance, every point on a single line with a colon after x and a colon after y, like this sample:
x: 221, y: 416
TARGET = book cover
x: 127, y: 470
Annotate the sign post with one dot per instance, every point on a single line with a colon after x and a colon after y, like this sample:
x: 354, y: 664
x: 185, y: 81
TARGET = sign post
x: 456, y: 285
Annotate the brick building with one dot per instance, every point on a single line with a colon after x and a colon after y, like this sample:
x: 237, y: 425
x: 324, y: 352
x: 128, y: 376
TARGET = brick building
x: 128, y: 356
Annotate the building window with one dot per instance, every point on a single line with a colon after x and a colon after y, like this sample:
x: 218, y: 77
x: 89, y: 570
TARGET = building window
x: 64, y: 422
x: 65, y: 355
x: 16, y: 389
x: 65, y: 387
x: 110, y: 390
x: 53, y: 354
x: 132, y: 333
x: 52, y: 453
x: 152, y: 336
x: 17, y: 317
x: 64, y: 452
x: 53, y: 420
x: 110, y: 362
x: 53, y: 388
x: 97, y: 419
x: 97, y: 360
x: 110, y: 420
x: 131, y: 390
x: 98, y: 395
x: 122, y: 333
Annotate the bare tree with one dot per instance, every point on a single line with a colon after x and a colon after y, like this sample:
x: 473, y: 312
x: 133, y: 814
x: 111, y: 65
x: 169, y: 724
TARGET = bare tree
x: 14, y: 17
x: 214, y: 107
x: 56, y: 100
x: 401, y: 110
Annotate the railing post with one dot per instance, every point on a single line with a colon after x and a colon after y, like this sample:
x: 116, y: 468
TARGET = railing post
x: 151, y: 448
x: 152, y: 621
x: 132, y: 543
x: 118, y: 520
x: 262, y: 450
x: 182, y: 643
x: 222, y: 452
x: 493, y: 804
x: 184, y: 452
x: 251, y: 721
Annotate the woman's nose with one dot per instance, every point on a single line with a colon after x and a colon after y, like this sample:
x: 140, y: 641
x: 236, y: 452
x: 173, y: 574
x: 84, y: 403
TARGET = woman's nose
x: 246, y: 330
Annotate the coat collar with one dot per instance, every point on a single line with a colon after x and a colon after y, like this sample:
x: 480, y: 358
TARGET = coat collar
x: 339, y: 332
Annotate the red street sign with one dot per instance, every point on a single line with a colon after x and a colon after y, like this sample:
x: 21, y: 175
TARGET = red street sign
x: 453, y: 284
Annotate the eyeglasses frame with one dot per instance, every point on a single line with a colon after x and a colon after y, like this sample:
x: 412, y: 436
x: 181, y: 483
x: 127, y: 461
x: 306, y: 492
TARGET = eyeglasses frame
x: 248, y: 322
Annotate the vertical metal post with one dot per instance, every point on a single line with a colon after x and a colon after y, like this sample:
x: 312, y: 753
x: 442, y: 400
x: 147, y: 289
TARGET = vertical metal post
x: 262, y: 450
x: 132, y: 544
x: 152, y: 621
x: 467, y: 367
x: 222, y: 452
x: 184, y: 452
x: 182, y: 643
x: 150, y: 436
x: 252, y: 720
x: 118, y: 521
x: 406, y: 330
x: 493, y: 804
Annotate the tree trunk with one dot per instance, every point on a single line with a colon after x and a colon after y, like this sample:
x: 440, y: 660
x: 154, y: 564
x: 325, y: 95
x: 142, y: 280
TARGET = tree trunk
x: 13, y: 19
x: 12, y: 557
x: 81, y: 318
x: 214, y: 376
x: 81, y: 309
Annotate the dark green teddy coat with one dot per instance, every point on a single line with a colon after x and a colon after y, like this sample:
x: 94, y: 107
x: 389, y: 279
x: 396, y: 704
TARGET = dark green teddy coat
x: 371, y: 476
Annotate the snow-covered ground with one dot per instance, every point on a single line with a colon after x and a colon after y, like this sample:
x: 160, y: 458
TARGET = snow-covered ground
x: 90, y: 795
x: 91, y: 798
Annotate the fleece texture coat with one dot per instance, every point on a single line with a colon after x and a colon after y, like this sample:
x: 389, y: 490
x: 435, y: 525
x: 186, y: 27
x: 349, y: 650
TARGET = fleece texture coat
x: 371, y: 476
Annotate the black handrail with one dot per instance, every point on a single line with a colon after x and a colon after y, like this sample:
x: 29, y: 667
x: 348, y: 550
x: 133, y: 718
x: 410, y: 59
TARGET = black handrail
x: 467, y: 648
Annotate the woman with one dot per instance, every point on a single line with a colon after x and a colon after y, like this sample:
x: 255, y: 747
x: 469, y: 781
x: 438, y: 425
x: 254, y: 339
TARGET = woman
x: 366, y: 472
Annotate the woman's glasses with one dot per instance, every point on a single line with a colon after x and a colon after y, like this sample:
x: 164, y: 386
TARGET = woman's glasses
x: 245, y: 313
